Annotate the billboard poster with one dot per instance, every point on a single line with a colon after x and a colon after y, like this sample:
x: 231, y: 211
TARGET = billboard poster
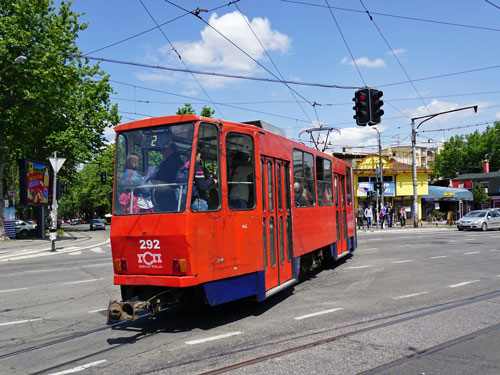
x: 34, y: 182
x: 364, y: 188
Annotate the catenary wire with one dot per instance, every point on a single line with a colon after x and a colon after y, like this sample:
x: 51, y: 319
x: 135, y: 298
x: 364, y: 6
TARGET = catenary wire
x: 180, y: 58
x: 271, y: 59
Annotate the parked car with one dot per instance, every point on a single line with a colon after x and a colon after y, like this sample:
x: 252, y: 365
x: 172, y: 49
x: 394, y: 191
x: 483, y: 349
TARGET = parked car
x: 480, y: 219
x: 22, y: 228
x: 74, y: 222
x: 97, y: 224
x: 32, y: 224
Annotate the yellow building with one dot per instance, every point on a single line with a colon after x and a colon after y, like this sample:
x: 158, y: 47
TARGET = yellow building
x: 398, y: 182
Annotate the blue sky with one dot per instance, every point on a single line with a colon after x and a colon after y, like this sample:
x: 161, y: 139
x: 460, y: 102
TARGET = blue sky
x: 399, y: 52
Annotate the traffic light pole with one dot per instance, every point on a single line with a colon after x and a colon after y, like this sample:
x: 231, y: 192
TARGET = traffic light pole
x: 414, y: 131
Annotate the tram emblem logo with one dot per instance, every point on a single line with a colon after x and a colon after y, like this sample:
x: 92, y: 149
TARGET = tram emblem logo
x: 149, y: 259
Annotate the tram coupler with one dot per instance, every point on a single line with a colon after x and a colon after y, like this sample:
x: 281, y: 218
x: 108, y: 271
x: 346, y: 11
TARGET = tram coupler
x: 125, y: 310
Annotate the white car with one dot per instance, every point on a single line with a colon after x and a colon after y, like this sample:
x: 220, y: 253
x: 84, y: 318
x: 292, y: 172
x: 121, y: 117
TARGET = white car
x: 480, y: 219
x: 22, y: 228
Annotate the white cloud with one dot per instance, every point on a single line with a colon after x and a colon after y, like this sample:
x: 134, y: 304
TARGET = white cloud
x: 366, y: 62
x: 437, y: 106
x: 398, y: 51
x: 214, y: 51
x: 498, y: 114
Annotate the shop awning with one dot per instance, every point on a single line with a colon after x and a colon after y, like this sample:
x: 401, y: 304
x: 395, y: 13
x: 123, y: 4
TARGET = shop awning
x: 440, y: 193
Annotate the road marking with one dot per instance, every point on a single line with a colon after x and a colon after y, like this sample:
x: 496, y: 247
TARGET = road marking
x: 369, y: 249
x: 79, y: 368
x: 200, y: 341
x: 12, y: 290
x: 440, y: 256
x: 81, y: 281
x: 20, y: 322
x: 97, y: 250
x: 410, y: 295
x: 98, y: 310
x: 357, y: 267
x: 403, y: 261
x: 472, y: 252
x: 75, y: 253
x: 318, y: 313
x: 97, y: 265
x: 462, y: 284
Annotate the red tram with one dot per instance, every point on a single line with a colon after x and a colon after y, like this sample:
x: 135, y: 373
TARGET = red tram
x: 221, y: 211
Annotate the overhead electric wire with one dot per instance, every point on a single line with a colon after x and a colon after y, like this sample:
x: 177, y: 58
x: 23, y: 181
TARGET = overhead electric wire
x: 397, y: 59
x: 345, y: 42
x: 397, y: 16
x: 492, y: 122
x: 270, y: 59
x: 240, y: 49
x: 180, y: 58
x: 154, y: 28
x: 489, y: 2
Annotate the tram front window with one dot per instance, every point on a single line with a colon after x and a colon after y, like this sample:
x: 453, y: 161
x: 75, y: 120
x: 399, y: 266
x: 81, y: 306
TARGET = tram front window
x: 148, y: 165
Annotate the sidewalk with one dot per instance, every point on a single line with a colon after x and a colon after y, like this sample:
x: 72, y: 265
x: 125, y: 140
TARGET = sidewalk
x: 409, y: 227
x: 69, y: 242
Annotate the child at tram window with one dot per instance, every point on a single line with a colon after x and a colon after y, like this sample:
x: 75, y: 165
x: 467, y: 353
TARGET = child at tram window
x: 134, y: 181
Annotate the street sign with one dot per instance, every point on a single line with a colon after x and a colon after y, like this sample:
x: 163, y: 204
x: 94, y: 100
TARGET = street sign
x: 12, y: 193
x: 57, y: 163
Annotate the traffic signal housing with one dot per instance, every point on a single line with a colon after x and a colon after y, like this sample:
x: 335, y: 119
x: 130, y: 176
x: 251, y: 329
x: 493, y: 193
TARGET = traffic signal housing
x: 362, y: 106
x: 368, y: 106
x: 103, y: 177
x: 376, y: 104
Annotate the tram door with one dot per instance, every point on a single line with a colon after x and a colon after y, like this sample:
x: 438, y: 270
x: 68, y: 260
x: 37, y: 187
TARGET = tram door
x: 276, y: 221
x: 340, y: 213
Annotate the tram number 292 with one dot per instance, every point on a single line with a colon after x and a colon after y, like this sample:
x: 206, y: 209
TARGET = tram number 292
x: 149, y: 244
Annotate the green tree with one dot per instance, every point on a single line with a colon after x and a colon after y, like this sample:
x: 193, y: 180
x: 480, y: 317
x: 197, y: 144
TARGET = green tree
x: 480, y: 195
x: 466, y: 153
x: 87, y: 196
x: 53, y: 100
x: 189, y: 110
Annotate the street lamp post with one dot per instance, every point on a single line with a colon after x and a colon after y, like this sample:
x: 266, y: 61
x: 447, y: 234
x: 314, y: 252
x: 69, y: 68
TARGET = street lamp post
x: 414, y: 131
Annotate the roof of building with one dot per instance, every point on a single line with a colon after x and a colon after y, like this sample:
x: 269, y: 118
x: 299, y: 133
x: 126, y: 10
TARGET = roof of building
x: 476, y: 176
x: 440, y: 193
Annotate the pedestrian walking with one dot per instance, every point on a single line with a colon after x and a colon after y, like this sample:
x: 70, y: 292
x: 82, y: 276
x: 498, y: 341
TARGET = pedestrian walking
x: 368, y: 216
x: 390, y: 215
x: 382, y: 216
x: 402, y: 217
x: 360, y: 213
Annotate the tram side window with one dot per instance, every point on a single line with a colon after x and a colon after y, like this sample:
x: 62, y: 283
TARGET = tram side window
x: 303, y: 179
x: 348, y: 181
x: 240, y: 164
x: 207, y: 195
x: 324, y: 181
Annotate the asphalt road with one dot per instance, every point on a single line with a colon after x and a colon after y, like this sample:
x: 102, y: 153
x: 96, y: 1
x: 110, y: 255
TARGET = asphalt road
x: 407, y: 302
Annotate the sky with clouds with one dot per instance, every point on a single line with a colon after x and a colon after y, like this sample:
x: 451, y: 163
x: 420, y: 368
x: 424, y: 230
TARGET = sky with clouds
x: 297, y: 64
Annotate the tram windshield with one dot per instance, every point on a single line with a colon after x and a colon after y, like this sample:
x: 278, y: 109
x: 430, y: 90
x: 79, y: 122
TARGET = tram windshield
x: 147, y: 164
x: 153, y: 170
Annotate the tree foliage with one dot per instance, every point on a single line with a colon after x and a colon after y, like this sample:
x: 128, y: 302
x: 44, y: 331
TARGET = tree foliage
x: 466, y: 153
x: 86, y: 196
x: 53, y: 100
x: 480, y: 195
x: 189, y: 110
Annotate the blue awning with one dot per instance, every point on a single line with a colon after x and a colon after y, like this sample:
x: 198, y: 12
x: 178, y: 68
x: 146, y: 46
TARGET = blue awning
x: 440, y: 193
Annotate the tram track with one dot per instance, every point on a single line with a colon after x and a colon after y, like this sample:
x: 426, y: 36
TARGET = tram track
x: 394, y: 319
x: 412, y: 316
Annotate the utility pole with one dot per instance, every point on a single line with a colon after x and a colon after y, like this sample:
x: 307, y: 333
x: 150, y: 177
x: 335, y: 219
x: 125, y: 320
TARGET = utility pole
x: 414, y: 131
x: 56, y: 165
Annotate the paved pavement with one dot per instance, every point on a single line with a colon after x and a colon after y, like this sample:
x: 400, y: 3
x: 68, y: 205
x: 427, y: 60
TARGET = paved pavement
x: 70, y: 241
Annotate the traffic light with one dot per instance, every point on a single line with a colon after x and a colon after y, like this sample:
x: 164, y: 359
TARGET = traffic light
x: 362, y: 106
x: 103, y: 177
x: 376, y: 104
x: 377, y: 185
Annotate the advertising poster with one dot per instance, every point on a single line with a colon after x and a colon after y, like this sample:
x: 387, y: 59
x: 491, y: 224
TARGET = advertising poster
x: 37, y: 179
x: 364, y: 188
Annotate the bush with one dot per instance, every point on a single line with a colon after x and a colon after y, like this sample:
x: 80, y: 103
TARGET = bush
x: 435, y: 214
